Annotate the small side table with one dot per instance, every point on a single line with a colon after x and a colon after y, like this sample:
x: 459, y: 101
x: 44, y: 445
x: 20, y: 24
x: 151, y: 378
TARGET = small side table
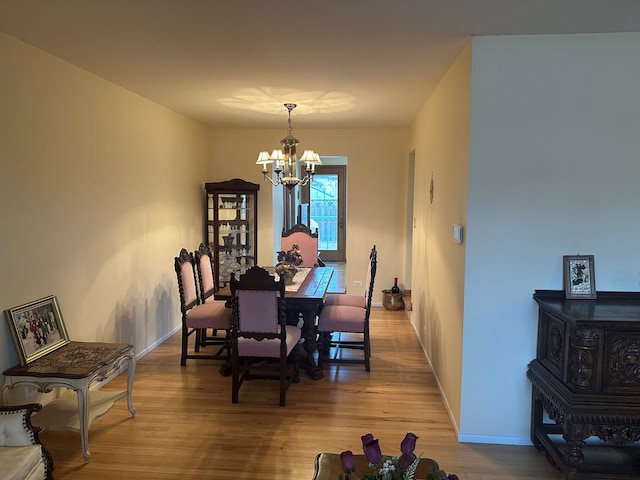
x: 328, y: 466
x: 76, y: 366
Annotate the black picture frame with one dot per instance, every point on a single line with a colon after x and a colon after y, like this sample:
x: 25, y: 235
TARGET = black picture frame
x: 579, y: 276
x: 37, y: 328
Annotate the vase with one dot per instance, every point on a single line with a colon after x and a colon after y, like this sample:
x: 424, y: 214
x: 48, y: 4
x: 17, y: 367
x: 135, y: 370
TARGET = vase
x: 286, y: 271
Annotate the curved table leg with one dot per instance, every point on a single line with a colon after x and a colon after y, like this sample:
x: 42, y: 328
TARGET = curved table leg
x: 83, y: 413
x: 131, y: 369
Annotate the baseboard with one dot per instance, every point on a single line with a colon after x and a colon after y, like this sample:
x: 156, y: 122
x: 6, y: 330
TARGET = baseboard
x: 161, y: 340
x: 493, y: 439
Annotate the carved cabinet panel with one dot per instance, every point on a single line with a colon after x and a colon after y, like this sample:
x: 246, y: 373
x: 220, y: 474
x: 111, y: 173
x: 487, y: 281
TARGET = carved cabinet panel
x: 593, y: 346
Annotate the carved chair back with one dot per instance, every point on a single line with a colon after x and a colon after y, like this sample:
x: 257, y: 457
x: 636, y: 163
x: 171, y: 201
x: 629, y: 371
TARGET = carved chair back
x: 206, y: 281
x: 184, y: 266
x: 307, y: 242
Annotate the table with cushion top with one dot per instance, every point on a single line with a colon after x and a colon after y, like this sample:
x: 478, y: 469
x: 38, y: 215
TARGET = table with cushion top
x: 328, y: 466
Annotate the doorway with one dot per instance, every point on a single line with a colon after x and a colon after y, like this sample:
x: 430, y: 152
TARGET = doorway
x: 327, y: 208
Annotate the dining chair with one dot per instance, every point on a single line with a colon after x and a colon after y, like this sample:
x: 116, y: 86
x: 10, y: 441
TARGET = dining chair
x: 306, y: 240
x: 353, y: 299
x: 207, y: 289
x: 336, y: 320
x: 261, y: 341
x: 196, y: 315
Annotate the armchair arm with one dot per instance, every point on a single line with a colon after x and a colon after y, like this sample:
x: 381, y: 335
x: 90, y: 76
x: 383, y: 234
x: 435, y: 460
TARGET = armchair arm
x: 16, y: 430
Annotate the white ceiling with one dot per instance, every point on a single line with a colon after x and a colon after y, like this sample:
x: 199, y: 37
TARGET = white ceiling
x: 233, y: 63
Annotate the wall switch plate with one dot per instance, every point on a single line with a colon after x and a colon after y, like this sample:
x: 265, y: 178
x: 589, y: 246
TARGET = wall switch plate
x: 357, y: 283
x: 457, y: 233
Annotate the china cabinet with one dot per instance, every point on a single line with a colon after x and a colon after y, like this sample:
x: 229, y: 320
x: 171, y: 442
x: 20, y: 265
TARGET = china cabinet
x: 231, y: 221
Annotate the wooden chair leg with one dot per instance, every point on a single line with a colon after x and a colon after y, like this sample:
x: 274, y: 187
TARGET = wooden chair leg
x: 366, y: 350
x: 185, y: 345
x: 235, y: 381
x: 283, y: 382
x: 198, y: 339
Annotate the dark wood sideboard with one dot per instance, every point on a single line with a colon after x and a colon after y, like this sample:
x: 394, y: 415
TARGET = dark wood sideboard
x: 586, y: 384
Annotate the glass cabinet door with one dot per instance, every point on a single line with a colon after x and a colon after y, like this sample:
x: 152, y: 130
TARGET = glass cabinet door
x: 231, y: 227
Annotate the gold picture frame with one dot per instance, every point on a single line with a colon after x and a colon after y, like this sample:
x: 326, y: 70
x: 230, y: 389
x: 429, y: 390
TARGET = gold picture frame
x: 37, y: 328
x: 579, y: 276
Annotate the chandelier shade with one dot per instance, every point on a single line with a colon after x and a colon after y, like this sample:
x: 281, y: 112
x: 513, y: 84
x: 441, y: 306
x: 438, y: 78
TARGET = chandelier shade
x: 285, y: 161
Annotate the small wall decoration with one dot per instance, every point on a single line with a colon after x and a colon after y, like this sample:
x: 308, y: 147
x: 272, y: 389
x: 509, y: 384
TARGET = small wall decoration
x: 37, y: 328
x: 431, y: 189
x: 579, y: 276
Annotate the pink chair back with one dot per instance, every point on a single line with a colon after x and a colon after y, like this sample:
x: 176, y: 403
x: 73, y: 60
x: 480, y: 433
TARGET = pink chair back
x: 204, y: 263
x: 186, y: 280
x: 258, y: 311
x: 307, y: 243
x: 189, y: 283
x: 207, y: 273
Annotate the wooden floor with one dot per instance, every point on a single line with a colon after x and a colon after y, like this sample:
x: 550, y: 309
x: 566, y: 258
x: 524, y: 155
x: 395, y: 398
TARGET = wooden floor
x: 187, y: 428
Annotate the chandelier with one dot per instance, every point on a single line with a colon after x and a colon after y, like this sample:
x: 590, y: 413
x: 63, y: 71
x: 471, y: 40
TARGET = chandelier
x: 285, y: 161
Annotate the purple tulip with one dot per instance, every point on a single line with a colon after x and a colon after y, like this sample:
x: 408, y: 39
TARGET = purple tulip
x: 405, y: 460
x: 371, y: 449
x: 366, y: 438
x: 408, y: 445
x: 452, y: 476
x: 348, y: 462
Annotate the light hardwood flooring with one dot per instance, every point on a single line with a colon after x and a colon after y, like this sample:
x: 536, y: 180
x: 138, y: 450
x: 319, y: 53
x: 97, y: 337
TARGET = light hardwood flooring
x: 187, y: 428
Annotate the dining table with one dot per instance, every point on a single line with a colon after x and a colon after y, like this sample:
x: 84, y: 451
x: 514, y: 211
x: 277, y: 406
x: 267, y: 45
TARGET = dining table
x: 303, y: 299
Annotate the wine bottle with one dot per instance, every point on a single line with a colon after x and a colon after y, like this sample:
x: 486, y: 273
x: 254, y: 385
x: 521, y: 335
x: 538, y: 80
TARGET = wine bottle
x: 395, y: 288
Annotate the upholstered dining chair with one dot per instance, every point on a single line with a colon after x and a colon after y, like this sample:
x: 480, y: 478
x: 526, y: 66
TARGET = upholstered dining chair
x: 307, y: 243
x: 355, y: 300
x: 261, y: 340
x: 207, y: 288
x: 198, y: 316
x: 336, y: 320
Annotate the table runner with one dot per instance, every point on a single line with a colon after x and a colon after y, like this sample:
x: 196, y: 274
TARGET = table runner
x: 298, y: 279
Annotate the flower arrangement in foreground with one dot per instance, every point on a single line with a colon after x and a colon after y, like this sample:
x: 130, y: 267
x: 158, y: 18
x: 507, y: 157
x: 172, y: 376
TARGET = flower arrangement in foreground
x: 292, y: 256
x: 386, y: 467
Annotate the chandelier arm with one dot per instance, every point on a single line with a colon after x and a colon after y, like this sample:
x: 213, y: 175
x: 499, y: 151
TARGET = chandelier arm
x: 270, y: 178
x: 305, y: 180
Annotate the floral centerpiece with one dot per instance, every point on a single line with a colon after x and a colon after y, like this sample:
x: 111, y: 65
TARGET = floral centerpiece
x: 383, y: 467
x: 288, y: 261
x: 292, y: 256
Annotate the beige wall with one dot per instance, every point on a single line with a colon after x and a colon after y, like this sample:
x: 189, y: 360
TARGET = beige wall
x: 376, y: 185
x: 99, y: 189
x: 440, y: 136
